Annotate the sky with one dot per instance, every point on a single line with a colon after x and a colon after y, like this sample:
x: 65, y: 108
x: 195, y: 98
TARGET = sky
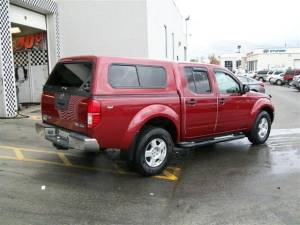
x: 218, y: 26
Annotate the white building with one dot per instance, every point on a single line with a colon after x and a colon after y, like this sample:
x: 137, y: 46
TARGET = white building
x: 132, y: 28
x: 45, y: 30
x: 273, y: 58
x: 232, y: 61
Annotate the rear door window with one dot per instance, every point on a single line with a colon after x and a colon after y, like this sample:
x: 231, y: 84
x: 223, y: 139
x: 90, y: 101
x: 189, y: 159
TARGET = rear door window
x: 71, y: 75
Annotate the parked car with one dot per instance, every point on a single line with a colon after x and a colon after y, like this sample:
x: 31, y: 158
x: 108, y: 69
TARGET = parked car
x: 296, y: 82
x: 254, y: 85
x: 275, y: 73
x: 289, y: 75
x: 146, y: 107
x: 251, y: 74
x: 277, y: 79
x: 261, y: 75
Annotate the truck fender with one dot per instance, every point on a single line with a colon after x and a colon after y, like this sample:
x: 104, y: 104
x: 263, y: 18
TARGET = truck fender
x: 261, y: 104
x: 146, y: 114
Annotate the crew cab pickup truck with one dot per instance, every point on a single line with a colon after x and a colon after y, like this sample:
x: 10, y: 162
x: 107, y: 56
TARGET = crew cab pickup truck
x: 146, y: 107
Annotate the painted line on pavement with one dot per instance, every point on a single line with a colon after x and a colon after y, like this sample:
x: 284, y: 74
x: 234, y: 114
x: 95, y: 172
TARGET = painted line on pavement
x: 170, y: 174
x: 64, y: 159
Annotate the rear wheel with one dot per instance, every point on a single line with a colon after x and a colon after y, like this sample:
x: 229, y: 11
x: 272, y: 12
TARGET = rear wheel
x: 261, y: 128
x: 153, y: 152
x: 279, y: 82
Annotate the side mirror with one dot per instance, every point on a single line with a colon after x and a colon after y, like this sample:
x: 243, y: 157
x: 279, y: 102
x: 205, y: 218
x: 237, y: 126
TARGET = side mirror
x: 246, y: 88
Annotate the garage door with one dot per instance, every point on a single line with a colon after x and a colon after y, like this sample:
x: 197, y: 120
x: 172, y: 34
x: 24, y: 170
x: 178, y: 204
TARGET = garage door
x: 27, y: 17
x: 297, y: 63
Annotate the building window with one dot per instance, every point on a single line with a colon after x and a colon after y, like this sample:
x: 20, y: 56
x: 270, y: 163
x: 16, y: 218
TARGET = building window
x: 228, y: 65
x: 252, y: 65
x: 166, y: 41
x: 238, y: 63
x: 173, y: 46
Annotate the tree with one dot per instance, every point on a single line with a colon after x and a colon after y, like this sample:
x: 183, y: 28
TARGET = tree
x: 213, y: 59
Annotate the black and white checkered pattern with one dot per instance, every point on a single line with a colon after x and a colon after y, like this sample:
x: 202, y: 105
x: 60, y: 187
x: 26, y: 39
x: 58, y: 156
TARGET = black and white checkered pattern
x: 21, y: 59
x: 30, y: 58
x: 38, y: 57
x: 6, y: 57
x: 6, y: 53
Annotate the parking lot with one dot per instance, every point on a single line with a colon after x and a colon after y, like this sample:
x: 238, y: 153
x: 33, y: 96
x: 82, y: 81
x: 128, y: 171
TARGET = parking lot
x: 226, y: 183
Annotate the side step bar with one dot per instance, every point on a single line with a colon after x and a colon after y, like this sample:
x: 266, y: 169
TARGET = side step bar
x: 193, y: 144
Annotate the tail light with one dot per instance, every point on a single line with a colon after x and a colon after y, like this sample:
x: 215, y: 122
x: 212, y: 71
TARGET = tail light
x: 93, y: 113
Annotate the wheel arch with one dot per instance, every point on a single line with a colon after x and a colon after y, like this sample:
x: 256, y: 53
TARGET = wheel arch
x: 155, y: 115
x: 263, y: 104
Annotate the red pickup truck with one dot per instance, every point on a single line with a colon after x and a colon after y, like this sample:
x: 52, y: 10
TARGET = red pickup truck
x: 146, y: 107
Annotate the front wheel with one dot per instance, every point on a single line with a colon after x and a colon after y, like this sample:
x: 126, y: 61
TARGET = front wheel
x: 154, y: 149
x: 261, y: 128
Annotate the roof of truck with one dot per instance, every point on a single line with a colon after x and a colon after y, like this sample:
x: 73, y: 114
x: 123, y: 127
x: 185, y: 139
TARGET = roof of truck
x: 122, y: 59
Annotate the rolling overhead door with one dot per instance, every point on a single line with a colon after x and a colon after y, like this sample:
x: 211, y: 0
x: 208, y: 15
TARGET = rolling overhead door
x: 297, y: 63
x: 27, y: 18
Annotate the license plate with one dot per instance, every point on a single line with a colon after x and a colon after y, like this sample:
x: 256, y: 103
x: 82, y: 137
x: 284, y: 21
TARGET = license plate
x: 63, y: 134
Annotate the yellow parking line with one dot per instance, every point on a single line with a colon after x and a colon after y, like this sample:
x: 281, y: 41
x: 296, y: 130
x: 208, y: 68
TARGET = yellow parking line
x: 35, y: 117
x: 8, y: 157
x: 171, y: 173
x: 167, y: 175
x: 37, y: 150
x: 19, y: 154
x: 64, y: 159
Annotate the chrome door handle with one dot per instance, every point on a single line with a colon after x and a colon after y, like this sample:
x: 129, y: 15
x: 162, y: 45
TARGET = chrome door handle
x: 222, y: 101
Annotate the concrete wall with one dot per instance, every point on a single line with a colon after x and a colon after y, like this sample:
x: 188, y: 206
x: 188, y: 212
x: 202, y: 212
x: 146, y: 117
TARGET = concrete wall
x: 114, y: 28
x: 160, y: 13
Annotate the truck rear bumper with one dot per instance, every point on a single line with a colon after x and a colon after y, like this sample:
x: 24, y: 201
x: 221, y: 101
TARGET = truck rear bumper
x: 66, y: 139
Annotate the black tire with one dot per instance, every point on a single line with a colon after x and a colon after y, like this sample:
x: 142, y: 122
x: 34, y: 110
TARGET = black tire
x: 254, y: 137
x: 158, y: 136
x: 279, y: 82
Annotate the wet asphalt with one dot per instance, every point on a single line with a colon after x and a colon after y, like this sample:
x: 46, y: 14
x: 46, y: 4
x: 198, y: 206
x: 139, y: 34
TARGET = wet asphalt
x: 226, y: 183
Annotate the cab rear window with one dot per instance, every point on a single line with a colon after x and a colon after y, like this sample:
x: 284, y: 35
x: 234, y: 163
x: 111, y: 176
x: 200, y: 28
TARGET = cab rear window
x: 71, y: 75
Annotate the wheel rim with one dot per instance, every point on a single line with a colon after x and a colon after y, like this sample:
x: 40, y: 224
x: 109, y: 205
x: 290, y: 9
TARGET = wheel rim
x: 156, y: 152
x: 263, y: 128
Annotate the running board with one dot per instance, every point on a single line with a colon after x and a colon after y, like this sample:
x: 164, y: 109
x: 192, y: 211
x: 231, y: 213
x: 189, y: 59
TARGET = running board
x: 192, y: 144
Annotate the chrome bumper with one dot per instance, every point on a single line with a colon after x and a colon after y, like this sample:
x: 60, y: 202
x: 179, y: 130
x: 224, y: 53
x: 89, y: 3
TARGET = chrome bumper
x: 68, y: 140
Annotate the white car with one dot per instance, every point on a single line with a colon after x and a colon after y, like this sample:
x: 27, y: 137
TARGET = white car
x: 274, y: 74
x: 277, y: 79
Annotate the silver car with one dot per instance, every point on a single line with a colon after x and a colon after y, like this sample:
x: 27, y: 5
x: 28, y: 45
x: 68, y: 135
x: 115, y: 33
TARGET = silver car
x: 254, y: 85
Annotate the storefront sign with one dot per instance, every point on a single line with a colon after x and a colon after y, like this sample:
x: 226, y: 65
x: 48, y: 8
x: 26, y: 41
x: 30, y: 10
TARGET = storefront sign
x: 274, y: 51
x: 32, y: 41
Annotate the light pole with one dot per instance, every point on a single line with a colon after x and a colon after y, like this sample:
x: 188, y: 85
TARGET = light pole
x: 186, y: 38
